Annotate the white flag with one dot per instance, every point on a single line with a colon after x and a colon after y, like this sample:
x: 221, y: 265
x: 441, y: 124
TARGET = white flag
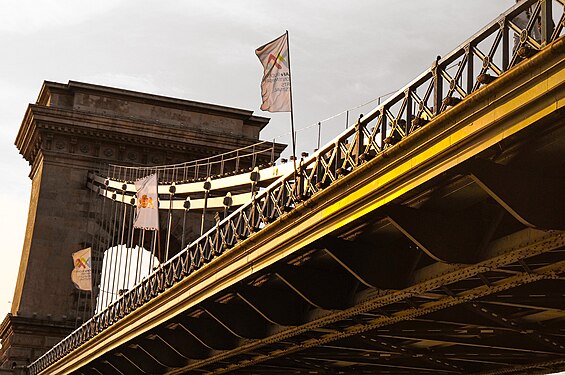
x: 82, y: 273
x: 275, y: 85
x: 147, y: 212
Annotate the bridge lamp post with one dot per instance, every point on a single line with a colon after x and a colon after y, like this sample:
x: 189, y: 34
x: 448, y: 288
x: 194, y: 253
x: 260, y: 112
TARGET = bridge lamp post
x: 186, y: 206
x: 207, y: 187
x: 255, y: 176
x: 172, y: 191
x: 228, y: 201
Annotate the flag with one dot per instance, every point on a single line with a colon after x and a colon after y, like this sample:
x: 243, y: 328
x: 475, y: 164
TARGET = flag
x: 275, y: 85
x: 81, y: 275
x: 147, y: 212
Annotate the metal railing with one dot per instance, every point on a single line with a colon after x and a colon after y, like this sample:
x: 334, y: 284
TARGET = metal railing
x: 479, y: 60
x: 261, y: 153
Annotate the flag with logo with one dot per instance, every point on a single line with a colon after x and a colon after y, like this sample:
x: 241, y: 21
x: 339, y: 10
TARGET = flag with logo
x: 147, y: 210
x: 81, y: 275
x: 275, y: 85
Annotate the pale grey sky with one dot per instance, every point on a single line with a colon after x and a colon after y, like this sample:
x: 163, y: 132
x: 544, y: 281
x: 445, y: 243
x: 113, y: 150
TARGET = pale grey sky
x: 343, y: 53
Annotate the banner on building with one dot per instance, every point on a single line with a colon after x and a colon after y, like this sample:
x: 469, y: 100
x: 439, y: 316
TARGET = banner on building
x: 81, y: 275
x: 147, y: 210
x: 275, y: 85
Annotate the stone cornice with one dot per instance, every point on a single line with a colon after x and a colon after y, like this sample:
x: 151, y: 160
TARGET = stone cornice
x: 158, y: 100
x: 27, y: 139
x: 12, y: 322
x: 5, y: 325
x: 41, y: 121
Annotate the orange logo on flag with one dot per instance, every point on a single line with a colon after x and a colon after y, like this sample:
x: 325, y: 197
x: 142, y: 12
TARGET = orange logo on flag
x: 146, y: 202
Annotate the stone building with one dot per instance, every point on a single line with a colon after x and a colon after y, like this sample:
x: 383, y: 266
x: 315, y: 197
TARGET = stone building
x: 74, y: 128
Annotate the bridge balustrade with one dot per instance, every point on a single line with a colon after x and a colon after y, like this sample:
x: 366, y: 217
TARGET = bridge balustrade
x: 232, y: 162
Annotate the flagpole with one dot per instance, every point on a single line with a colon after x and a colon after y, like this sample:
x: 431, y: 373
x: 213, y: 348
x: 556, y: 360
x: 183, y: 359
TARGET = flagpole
x: 91, y: 284
x: 291, y: 107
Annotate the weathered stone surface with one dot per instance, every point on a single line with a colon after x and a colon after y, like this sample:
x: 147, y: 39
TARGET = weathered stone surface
x: 25, y: 339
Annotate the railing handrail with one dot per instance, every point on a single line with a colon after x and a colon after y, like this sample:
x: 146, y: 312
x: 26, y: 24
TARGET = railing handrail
x: 236, y: 154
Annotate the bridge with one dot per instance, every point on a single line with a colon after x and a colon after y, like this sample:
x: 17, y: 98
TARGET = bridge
x: 429, y: 237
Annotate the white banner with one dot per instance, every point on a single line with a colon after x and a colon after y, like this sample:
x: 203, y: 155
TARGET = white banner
x: 81, y: 275
x: 275, y: 85
x: 147, y: 212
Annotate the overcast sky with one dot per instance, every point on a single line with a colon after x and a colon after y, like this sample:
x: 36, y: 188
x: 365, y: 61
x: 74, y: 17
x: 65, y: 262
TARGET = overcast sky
x: 344, y: 53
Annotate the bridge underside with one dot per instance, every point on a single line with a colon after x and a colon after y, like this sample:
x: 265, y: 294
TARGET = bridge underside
x: 464, y: 273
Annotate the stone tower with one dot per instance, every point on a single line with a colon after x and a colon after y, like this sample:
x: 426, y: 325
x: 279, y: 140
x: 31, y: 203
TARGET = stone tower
x: 74, y: 128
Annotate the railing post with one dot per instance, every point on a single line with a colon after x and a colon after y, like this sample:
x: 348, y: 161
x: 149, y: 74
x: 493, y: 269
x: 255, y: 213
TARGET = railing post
x: 172, y: 191
x: 438, y: 86
x: 222, y: 165
x: 319, y: 134
x: 546, y: 22
x: 254, y: 177
x: 358, y: 140
x: 383, y: 124
x: 273, y: 152
x: 207, y: 186
x: 505, y: 43
x: 409, y: 112
x: 470, y: 68
x: 299, y: 183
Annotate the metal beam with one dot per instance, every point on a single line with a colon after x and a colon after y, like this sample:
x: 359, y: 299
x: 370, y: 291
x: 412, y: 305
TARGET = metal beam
x: 145, y: 361
x: 326, y: 290
x: 162, y: 352
x: 505, y: 321
x: 106, y: 367
x: 503, y: 252
x: 534, y: 199
x: 427, y: 356
x: 447, y: 238
x: 554, y: 365
x: 184, y: 343
x: 487, y: 342
x: 240, y: 319
x: 539, y: 303
x: 209, y: 332
x: 501, y: 285
x: 366, y: 363
x: 119, y: 361
x: 381, y: 268
x: 288, y: 309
